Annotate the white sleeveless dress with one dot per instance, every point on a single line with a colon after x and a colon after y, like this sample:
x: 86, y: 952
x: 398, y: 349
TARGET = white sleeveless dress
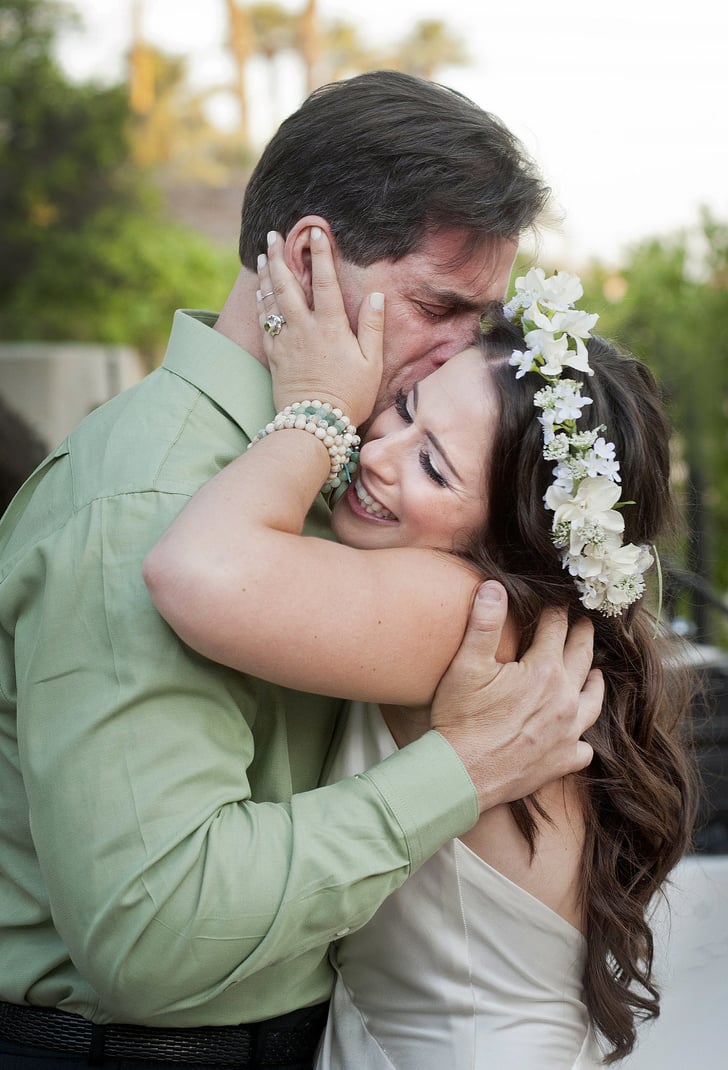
x: 460, y: 969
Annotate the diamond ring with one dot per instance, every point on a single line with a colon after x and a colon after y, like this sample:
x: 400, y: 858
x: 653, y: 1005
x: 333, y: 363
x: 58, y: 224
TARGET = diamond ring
x: 273, y: 324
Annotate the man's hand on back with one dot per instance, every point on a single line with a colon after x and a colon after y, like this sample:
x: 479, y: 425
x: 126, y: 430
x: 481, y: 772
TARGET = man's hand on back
x: 517, y: 726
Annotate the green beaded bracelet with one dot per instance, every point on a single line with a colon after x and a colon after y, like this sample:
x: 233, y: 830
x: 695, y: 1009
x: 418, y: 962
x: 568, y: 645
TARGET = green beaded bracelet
x: 327, y: 423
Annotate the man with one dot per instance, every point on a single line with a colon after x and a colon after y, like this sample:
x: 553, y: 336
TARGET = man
x: 166, y: 858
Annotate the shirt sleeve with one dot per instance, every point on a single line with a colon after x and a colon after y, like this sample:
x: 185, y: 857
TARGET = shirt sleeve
x: 170, y: 877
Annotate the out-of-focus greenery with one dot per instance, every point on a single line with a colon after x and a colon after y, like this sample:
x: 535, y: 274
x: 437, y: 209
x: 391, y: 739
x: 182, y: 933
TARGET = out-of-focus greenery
x: 88, y: 253
x: 669, y: 305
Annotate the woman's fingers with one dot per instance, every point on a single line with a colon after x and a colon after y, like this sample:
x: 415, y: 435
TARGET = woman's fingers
x: 280, y: 291
x: 370, y: 331
x: 327, y: 298
x: 305, y: 326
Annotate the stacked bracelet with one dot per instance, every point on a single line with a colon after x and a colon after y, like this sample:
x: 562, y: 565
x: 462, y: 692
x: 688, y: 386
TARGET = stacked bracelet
x: 326, y: 423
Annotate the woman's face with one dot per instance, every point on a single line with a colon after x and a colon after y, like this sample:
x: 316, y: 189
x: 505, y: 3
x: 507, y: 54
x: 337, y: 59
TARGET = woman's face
x: 421, y: 479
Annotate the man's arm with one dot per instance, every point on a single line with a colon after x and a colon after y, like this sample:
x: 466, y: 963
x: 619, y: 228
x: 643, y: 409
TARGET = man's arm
x: 191, y: 875
x: 519, y: 725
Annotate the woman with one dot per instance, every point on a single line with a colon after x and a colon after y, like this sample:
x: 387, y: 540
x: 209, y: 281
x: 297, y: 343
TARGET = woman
x: 518, y: 944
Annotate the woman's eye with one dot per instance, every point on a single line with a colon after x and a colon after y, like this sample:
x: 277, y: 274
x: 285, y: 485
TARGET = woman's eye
x: 431, y: 471
x: 400, y: 405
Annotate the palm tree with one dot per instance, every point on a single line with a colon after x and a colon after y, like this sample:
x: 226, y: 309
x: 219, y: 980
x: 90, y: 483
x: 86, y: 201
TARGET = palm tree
x: 345, y: 52
x: 428, y: 47
x: 241, y: 42
x: 309, y: 45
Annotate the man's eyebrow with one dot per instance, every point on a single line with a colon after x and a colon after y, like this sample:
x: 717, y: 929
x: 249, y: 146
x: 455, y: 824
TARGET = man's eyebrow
x: 454, y: 298
x: 434, y: 439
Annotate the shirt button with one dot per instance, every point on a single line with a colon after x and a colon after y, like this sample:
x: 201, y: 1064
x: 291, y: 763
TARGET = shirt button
x: 342, y: 932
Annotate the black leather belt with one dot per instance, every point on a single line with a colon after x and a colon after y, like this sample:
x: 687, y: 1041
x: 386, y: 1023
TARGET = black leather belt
x: 288, y: 1040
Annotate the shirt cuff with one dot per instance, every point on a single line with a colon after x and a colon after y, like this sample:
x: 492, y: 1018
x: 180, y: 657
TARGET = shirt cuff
x: 430, y: 793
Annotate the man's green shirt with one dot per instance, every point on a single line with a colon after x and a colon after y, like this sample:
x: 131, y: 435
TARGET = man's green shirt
x: 166, y: 856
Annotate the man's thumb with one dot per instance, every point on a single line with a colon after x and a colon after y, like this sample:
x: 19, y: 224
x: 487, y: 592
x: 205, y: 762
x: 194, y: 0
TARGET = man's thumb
x: 488, y: 614
x: 476, y: 659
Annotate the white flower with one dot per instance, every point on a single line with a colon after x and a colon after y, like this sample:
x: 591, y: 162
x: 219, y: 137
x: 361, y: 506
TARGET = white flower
x: 554, y: 352
x: 557, y: 448
x: 558, y: 292
x: 594, y: 465
x: 568, y: 401
x: 553, y: 335
x: 593, y: 496
x: 547, y: 420
x: 604, y: 449
x: 523, y: 361
x: 586, y: 528
x: 564, y: 397
x: 583, y: 440
x: 577, y: 326
x: 587, y: 512
x: 562, y: 290
x: 626, y: 560
x: 513, y: 307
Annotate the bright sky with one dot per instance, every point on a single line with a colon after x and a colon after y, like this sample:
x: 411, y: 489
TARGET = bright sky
x: 624, y: 106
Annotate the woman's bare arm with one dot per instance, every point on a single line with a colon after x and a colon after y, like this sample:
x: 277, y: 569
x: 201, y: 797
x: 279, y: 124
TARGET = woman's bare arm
x: 237, y: 581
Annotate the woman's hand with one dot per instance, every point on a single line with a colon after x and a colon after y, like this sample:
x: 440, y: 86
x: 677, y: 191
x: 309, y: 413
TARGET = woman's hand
x: 316, y: 355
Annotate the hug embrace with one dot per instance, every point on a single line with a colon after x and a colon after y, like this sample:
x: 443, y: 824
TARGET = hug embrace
x: 434, y: 761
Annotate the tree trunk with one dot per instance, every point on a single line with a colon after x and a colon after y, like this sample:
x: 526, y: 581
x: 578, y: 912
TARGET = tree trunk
x: 240, y: 40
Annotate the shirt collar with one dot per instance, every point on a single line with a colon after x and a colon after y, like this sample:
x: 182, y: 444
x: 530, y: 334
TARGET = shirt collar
x: 233, y: 379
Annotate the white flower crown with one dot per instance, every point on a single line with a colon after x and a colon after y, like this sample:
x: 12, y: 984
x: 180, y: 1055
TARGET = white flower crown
x: 586, y: 529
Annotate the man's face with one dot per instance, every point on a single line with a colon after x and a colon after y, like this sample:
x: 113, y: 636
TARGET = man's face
x: 433, y: 302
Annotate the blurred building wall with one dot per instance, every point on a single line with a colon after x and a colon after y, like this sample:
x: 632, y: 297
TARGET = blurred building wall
x: 52, y: 386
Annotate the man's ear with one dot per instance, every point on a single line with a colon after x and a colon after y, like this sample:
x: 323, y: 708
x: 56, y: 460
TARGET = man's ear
x: 297, y: 251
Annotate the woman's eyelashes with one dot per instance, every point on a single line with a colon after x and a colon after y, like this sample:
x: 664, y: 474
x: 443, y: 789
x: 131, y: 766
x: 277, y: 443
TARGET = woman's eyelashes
x: 400, y: 405
x: 430, y: 469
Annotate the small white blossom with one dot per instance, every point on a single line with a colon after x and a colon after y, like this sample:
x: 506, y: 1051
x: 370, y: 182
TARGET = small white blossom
x: 544, y: 399
x: 557, y: 449
x: 512, y: 308
x: 523, y: 361
x: 547, y: 420
x: 568, y: 405
x: 584, y: 440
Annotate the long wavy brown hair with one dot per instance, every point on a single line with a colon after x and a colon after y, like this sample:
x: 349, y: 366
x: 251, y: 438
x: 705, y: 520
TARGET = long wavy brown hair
x: 640, y: 790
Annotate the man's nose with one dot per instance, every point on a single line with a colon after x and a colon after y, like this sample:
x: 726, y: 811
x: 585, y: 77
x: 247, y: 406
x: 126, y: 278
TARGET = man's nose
x: 455, y: 340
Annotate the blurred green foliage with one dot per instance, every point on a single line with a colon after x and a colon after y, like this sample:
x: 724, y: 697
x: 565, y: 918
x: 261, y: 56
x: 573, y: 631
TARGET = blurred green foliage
x: 669, y: 305
x: 88, y: 251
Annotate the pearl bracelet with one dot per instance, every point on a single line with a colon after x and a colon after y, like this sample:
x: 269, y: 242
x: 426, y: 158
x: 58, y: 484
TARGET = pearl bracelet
x: 328, y: 424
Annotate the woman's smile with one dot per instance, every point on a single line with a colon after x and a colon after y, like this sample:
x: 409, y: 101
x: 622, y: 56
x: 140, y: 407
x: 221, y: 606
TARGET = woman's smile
x: 362, y: 501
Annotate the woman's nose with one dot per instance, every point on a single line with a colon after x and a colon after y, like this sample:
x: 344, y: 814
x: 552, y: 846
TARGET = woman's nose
x: 379, y: 456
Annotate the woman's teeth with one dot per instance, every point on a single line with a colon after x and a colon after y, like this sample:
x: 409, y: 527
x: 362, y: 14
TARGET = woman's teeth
x: 370, y: 505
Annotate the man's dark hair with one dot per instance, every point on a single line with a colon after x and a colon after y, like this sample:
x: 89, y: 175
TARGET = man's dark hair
x: 385, y: 158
